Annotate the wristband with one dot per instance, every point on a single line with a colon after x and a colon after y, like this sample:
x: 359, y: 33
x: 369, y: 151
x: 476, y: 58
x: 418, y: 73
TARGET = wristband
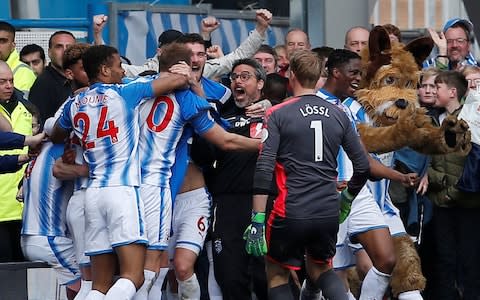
x: 445, y: 56
x: 258, y: 217
x: 348, y: 196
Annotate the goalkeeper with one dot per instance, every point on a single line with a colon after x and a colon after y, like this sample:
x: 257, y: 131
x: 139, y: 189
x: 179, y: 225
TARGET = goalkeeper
x: 301, y: 139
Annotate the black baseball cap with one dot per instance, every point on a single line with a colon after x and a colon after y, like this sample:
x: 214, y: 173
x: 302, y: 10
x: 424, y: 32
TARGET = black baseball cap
x: 168, y: 36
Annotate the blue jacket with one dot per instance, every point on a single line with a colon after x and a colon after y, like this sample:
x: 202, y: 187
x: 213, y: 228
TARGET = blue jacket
x: 9, y: 141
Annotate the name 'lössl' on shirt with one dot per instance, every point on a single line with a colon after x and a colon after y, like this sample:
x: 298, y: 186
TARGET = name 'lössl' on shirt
x: 308, y: 110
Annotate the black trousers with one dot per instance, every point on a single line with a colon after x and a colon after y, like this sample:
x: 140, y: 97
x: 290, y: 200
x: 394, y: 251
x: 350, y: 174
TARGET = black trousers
x: 236, y: 272
x: 457, y: 248
x: 10, y: 249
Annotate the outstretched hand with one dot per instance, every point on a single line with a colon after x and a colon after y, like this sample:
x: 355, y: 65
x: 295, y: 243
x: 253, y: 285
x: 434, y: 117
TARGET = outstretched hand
x: 439, y: 40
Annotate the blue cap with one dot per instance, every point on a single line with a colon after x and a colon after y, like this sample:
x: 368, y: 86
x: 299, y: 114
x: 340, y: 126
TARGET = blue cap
x: 466, y: 23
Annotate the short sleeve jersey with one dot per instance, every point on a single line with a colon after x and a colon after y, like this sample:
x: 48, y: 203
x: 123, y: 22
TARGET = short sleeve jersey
x: 162, y: 124
x: 301, y: 140
x: 105, y: 119
x: 46, y: 197
x: 378, y: 188
x: 344, y: 168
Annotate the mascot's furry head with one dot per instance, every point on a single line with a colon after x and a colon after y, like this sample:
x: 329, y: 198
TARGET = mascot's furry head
x: 391, y: 76
x: 388, y: 92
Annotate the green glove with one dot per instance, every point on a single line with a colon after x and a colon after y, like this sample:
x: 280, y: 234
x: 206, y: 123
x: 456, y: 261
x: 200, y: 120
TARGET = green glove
x: 255, y: 236
x: 346, y: 200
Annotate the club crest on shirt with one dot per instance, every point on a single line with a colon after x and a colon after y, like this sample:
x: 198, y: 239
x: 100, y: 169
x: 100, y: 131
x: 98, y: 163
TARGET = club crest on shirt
x: 256, y: 130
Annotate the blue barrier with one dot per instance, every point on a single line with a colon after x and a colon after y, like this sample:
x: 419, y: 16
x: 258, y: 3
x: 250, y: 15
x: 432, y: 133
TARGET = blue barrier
x: 134, y: 28
x: 85, y: 24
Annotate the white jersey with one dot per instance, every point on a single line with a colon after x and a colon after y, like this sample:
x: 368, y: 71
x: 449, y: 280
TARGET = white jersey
x: 344, y: 164
x: 379, y: 188
x: 162, y: 124
x: 46, y: 197
x: 105, y: 119
x: 79, y: 182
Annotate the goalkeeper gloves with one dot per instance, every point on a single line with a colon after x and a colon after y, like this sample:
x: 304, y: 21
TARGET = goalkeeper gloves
x: 346, y: 200
x: 255, y: 235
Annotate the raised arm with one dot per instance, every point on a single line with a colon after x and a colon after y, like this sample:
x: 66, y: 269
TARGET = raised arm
x: 223, y: 65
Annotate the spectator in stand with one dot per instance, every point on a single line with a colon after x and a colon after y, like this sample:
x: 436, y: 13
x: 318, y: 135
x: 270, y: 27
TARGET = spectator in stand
x: 356, y: 38
x: 393, y: 33
x: 296, y: 39
x: 275, y: 89
x: 52, y: 87
x: 472, y: 74
x: 322, y: 53
x: 34, y: 56
x: 218, y: 66
x: 456, y: 212
x: 266, y: 56
x: 453, y: 45
x: 22, y: 74
x: 282, y: 59
x: 20, y: 120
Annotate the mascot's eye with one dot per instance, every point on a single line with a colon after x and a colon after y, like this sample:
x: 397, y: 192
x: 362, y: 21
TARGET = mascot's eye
x: 409, y: 84
x: 389, y: 80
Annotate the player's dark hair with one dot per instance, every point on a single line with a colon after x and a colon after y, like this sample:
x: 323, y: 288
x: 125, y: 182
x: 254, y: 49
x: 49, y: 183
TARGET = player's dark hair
x: 96, y: 56
x: 73, y: 54
x: 338, y: 58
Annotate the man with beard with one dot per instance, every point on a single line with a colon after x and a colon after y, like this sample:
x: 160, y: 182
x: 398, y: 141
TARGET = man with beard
x: 454, y: 44
x: 230, y: 183
x: 52, y: 87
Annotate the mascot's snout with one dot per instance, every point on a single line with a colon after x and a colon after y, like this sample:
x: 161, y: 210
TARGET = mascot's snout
x: 401, y: 103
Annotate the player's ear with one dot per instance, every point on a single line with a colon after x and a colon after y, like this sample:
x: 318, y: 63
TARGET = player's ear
x: 104, y: 70
x: 69, y: 74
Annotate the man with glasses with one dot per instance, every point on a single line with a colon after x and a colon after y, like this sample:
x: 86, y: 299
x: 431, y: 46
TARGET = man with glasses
x: 453, y: 44
x: 230, y: 182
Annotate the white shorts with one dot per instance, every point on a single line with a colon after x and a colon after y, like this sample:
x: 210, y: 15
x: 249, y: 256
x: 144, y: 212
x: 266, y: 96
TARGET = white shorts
x: 190, y: 222
x: 158, y: 215
x: 113, y: 217
x: 394, y: 223
x: 364, y: 216
x: 76, y: 225
x: 56, y: 251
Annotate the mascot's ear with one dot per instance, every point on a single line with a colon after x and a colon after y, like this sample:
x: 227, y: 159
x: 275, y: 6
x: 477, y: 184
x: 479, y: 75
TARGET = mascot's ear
x: 420, y: 49
x: 378, y: 48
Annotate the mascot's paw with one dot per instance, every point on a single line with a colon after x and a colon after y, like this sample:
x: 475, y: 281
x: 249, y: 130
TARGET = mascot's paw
x: 415, y: 123
x: 457, y: 135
